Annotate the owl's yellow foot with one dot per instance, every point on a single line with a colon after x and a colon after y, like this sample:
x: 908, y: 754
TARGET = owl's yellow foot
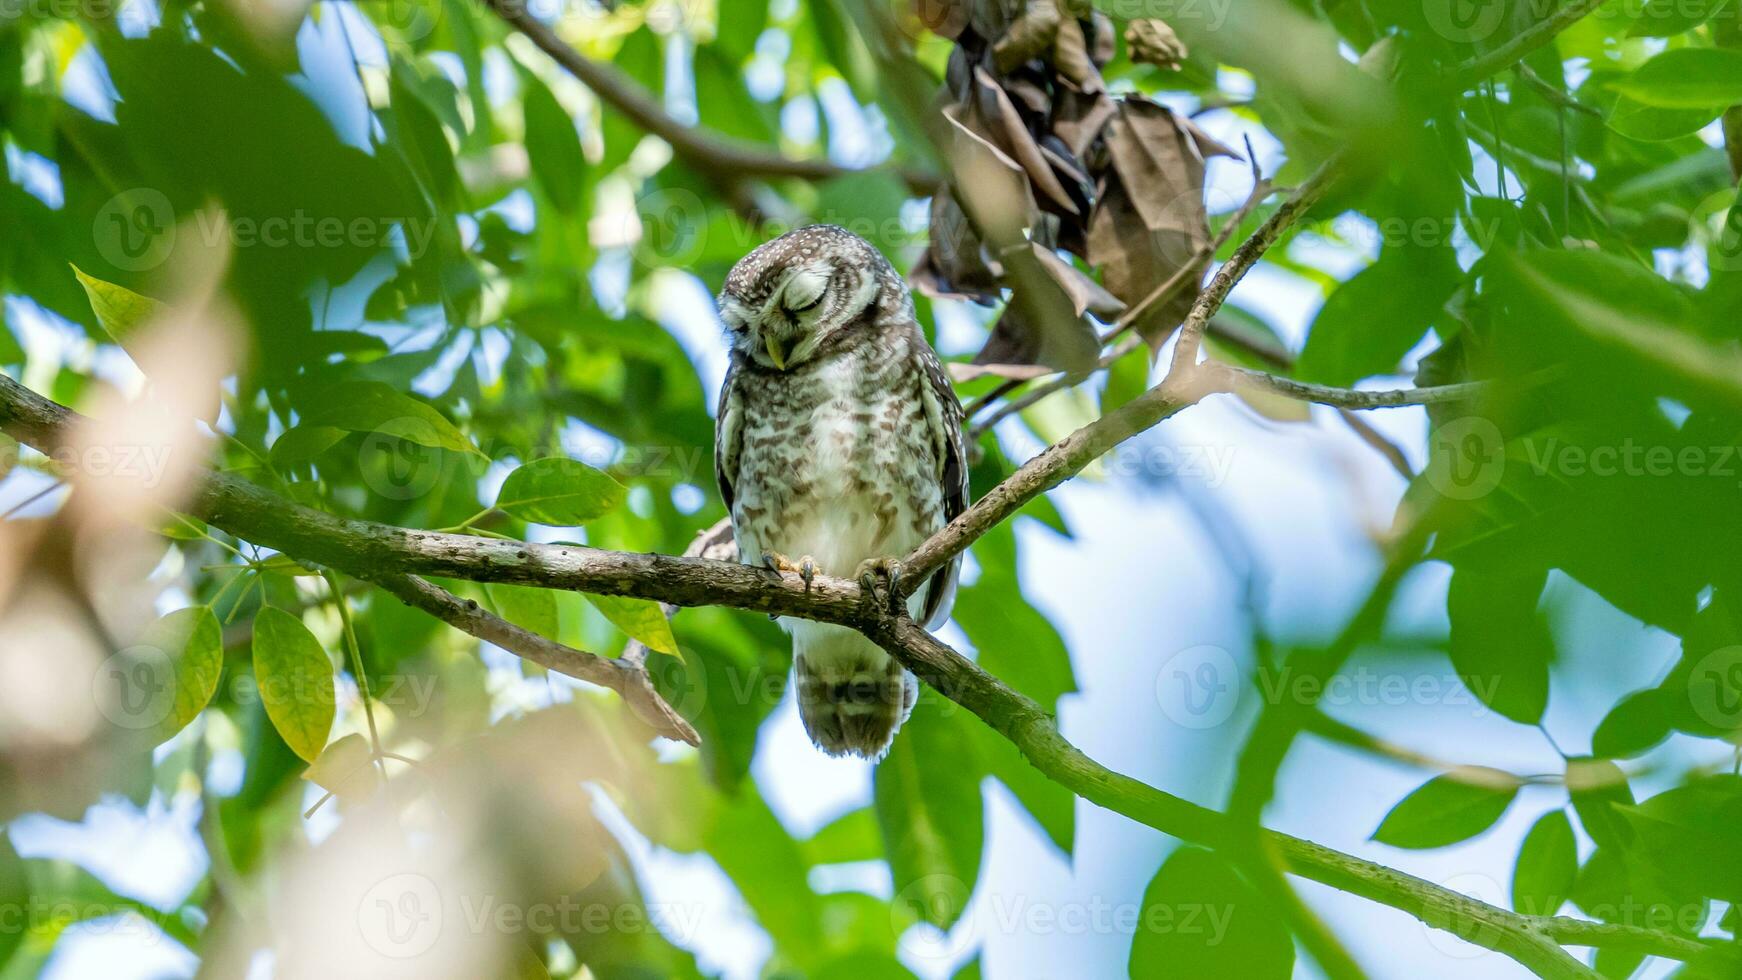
x: 880, y: 578
x: 805, y: 568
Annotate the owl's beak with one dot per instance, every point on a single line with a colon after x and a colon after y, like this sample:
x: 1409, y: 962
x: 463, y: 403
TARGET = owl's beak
x: 775, y: 354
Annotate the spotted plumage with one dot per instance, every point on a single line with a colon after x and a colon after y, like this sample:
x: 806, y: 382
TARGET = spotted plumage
x: 838, y: 442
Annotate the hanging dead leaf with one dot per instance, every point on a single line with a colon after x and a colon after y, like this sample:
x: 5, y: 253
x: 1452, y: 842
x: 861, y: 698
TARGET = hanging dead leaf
x: 996, y: 119
x: 1087, y: 295
x: 1150, y: 41
x: 954, y: 265
x: 1134, y: 260
x: 1070, y: 57
x: 1027, y: 37
x: 1079, y: 117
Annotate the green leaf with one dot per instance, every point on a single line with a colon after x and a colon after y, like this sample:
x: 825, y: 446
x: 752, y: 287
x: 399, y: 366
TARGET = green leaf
x: 372, y: 406
x: 642, y: 619
x: 1652, y: 124
x: 194, y: 643
x: 1637, y: 723
x: 1448, y: 809
x: 852, y: 836
x: 1667, y: 18
x: 1687, y: 835
x: 120, y: 311
x: 302, y: 443
x: 1053, y: 807
x: 1374, y: 319
x: 1200, y: 919
x: 346, y: 768
x: 553, y: 146
x: 15, y: 896
x: 1548, y: 864
x: 1500, y: 644
x: 741, y: 23
x: 1687, y: 78
x: 559, y: 491
x: 295, y: 679
x: 1598, y: 788
x: 526, y: 606
x: 931, y: 814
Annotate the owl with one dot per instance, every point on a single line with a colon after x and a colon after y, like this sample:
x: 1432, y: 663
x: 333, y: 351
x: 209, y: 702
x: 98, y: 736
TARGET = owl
x: 838, y: 448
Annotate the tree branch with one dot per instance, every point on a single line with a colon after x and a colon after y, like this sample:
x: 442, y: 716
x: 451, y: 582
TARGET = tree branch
x: 393, y: 558
x: 1520, y: 47
x: 709, y: 152
x: 625, y: 676
x: 1349, y: 398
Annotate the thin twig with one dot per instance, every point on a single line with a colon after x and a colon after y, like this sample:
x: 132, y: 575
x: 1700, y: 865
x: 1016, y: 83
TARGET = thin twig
x: 709, y: 152
x: 1381, y: 445
x: 1350, y: 398
x: 1479, y: 68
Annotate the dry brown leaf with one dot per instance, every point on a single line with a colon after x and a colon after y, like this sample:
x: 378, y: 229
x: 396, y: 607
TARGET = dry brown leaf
x: 1150, y: 41
x: 1102, y: 45
x: 1070, y: 56
x: 1027, y: 37
x: 954, y: 264
x: 1087, y: 295
x: 1134, y: 260
x: 996, y: 119
x: 1078, y: 119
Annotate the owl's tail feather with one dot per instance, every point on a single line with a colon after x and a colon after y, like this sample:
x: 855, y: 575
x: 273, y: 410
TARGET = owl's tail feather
x: 852, y: 697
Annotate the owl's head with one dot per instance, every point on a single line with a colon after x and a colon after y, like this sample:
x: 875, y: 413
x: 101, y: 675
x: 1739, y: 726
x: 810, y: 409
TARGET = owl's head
x: 783, y: 300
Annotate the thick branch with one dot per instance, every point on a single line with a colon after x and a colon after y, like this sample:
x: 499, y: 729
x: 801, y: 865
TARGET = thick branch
x: 709, y: 152
x: 393, y: 556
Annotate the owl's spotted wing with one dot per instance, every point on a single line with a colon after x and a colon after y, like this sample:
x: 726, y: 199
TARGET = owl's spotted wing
x: 943, y: 416
x: 728, y: 437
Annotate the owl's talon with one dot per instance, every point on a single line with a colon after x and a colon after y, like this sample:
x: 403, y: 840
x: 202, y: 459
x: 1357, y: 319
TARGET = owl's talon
x: 805, y: 568
x: 881, y: 578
